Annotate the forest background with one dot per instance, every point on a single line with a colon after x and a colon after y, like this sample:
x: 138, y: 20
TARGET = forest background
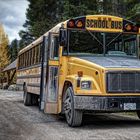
x: 42, y: 15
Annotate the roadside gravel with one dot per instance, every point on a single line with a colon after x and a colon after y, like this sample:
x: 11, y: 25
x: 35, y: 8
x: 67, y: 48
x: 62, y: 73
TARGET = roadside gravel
x: 18, y: 122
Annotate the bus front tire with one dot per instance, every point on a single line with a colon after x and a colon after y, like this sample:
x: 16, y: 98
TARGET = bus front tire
x: 73, y: 116
x: 138, y: 114
x: 27, y: 97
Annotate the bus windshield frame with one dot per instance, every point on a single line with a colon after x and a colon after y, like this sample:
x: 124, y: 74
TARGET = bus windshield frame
x: 121, y: 41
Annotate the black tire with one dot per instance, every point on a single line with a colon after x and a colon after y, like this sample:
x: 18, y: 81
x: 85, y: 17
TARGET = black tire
x: 27, y: 97
x: 138, y: 114
x: 73, y: 116
x: 34, y: 99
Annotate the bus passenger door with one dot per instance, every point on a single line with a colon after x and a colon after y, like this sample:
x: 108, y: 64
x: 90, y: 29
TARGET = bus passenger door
x: 51, y: 104
x: 44, y: 64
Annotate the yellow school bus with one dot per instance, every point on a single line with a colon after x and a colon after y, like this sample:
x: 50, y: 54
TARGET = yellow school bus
x: 85, y: 64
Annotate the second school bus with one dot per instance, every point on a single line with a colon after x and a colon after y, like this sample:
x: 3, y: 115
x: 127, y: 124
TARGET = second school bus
x: 85, y: 64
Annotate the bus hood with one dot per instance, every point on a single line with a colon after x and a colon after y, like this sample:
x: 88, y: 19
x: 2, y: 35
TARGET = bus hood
x: 114, y: 62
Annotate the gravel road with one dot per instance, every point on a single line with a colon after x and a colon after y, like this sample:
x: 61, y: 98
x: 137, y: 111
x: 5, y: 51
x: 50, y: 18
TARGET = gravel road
x: 18, y: 122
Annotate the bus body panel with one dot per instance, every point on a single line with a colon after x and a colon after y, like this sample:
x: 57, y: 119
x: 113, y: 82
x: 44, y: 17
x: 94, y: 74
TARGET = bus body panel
x: 30, y: 77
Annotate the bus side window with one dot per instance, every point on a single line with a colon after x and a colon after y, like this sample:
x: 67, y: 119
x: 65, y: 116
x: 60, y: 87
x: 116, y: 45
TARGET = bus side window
x: 23, y: 60
x: 35, y: 55
x: 32, y: 57
x: 54, y: 47
x: 30, y: 53
x: 19, y: 62
x: 40, y: 58
x: 26, y: 59
x: 46, y: 49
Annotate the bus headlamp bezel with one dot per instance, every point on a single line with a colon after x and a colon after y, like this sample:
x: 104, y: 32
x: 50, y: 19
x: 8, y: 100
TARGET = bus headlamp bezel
x: 86, y: 84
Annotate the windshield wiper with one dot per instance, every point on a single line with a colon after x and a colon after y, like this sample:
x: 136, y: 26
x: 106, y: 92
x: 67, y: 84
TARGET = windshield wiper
x: 113, y: 39
x: 95, y: 38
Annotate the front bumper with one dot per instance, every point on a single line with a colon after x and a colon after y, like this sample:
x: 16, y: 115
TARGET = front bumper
x: 107, y: 103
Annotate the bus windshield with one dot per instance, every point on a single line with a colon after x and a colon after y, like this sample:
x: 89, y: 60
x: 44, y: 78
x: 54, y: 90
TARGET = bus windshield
x: 84, y: 42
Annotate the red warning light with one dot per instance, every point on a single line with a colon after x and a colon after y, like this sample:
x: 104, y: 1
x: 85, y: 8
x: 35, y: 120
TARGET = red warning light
x: 79, y: 24
x: 128, y: 27
x: 71, y: 23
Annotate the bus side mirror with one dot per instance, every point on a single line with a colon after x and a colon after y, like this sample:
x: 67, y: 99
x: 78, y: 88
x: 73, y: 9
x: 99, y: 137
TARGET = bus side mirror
x: 62, y: 37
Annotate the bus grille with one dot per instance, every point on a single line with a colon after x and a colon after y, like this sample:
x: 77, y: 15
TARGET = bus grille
x: 123, y: 81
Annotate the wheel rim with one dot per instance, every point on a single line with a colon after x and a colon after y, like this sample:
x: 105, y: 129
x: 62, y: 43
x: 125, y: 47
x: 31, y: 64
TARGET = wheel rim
x: 68, y: 107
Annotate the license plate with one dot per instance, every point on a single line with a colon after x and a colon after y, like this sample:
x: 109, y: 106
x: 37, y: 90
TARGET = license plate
x: 129, y: 106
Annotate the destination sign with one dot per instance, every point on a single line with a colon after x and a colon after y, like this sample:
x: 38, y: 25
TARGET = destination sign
x: 104, y: 23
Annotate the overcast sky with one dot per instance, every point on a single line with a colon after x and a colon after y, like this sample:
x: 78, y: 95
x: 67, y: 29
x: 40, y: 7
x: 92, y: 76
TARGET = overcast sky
x: 12, y: 16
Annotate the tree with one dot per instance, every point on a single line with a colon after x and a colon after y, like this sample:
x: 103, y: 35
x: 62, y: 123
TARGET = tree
x: 41, y: 16
x: 14, y: 49
x: 111, y: 7
x: 4, y: 49
x: 26, y: 39
x: 132, y: 7
x: 74, y: 8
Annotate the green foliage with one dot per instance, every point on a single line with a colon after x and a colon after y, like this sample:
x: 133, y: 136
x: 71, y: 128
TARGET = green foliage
x: 14, y: 50
x: 42, y: 15
x: 74, y: 8
x: 26, y: 38
x: 135, y: 9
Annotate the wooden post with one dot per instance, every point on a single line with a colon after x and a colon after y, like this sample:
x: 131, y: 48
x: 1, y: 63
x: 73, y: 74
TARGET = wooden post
x: 8, y: 77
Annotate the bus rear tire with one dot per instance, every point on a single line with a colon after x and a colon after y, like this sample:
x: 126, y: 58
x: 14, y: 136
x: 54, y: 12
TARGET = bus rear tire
x: 34, y: 99
x: 73, y: 116
x: 27, y: 97
x: 138, y: 113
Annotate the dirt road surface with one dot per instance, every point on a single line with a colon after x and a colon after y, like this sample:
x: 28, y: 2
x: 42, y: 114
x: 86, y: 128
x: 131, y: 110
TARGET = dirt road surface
x: 18, y: 122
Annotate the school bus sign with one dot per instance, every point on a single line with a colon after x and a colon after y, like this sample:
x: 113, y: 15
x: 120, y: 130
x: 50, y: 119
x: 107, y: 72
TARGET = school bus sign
x: 103, y: 23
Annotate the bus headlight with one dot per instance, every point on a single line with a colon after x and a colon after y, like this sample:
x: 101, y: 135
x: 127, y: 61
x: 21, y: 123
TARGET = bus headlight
x: 85, y: 84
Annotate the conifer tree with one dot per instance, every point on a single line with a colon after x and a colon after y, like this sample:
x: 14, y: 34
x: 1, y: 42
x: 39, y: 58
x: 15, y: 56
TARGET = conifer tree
x: 14, y: 50
x: 73, y: 8
x: 42, y: 15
